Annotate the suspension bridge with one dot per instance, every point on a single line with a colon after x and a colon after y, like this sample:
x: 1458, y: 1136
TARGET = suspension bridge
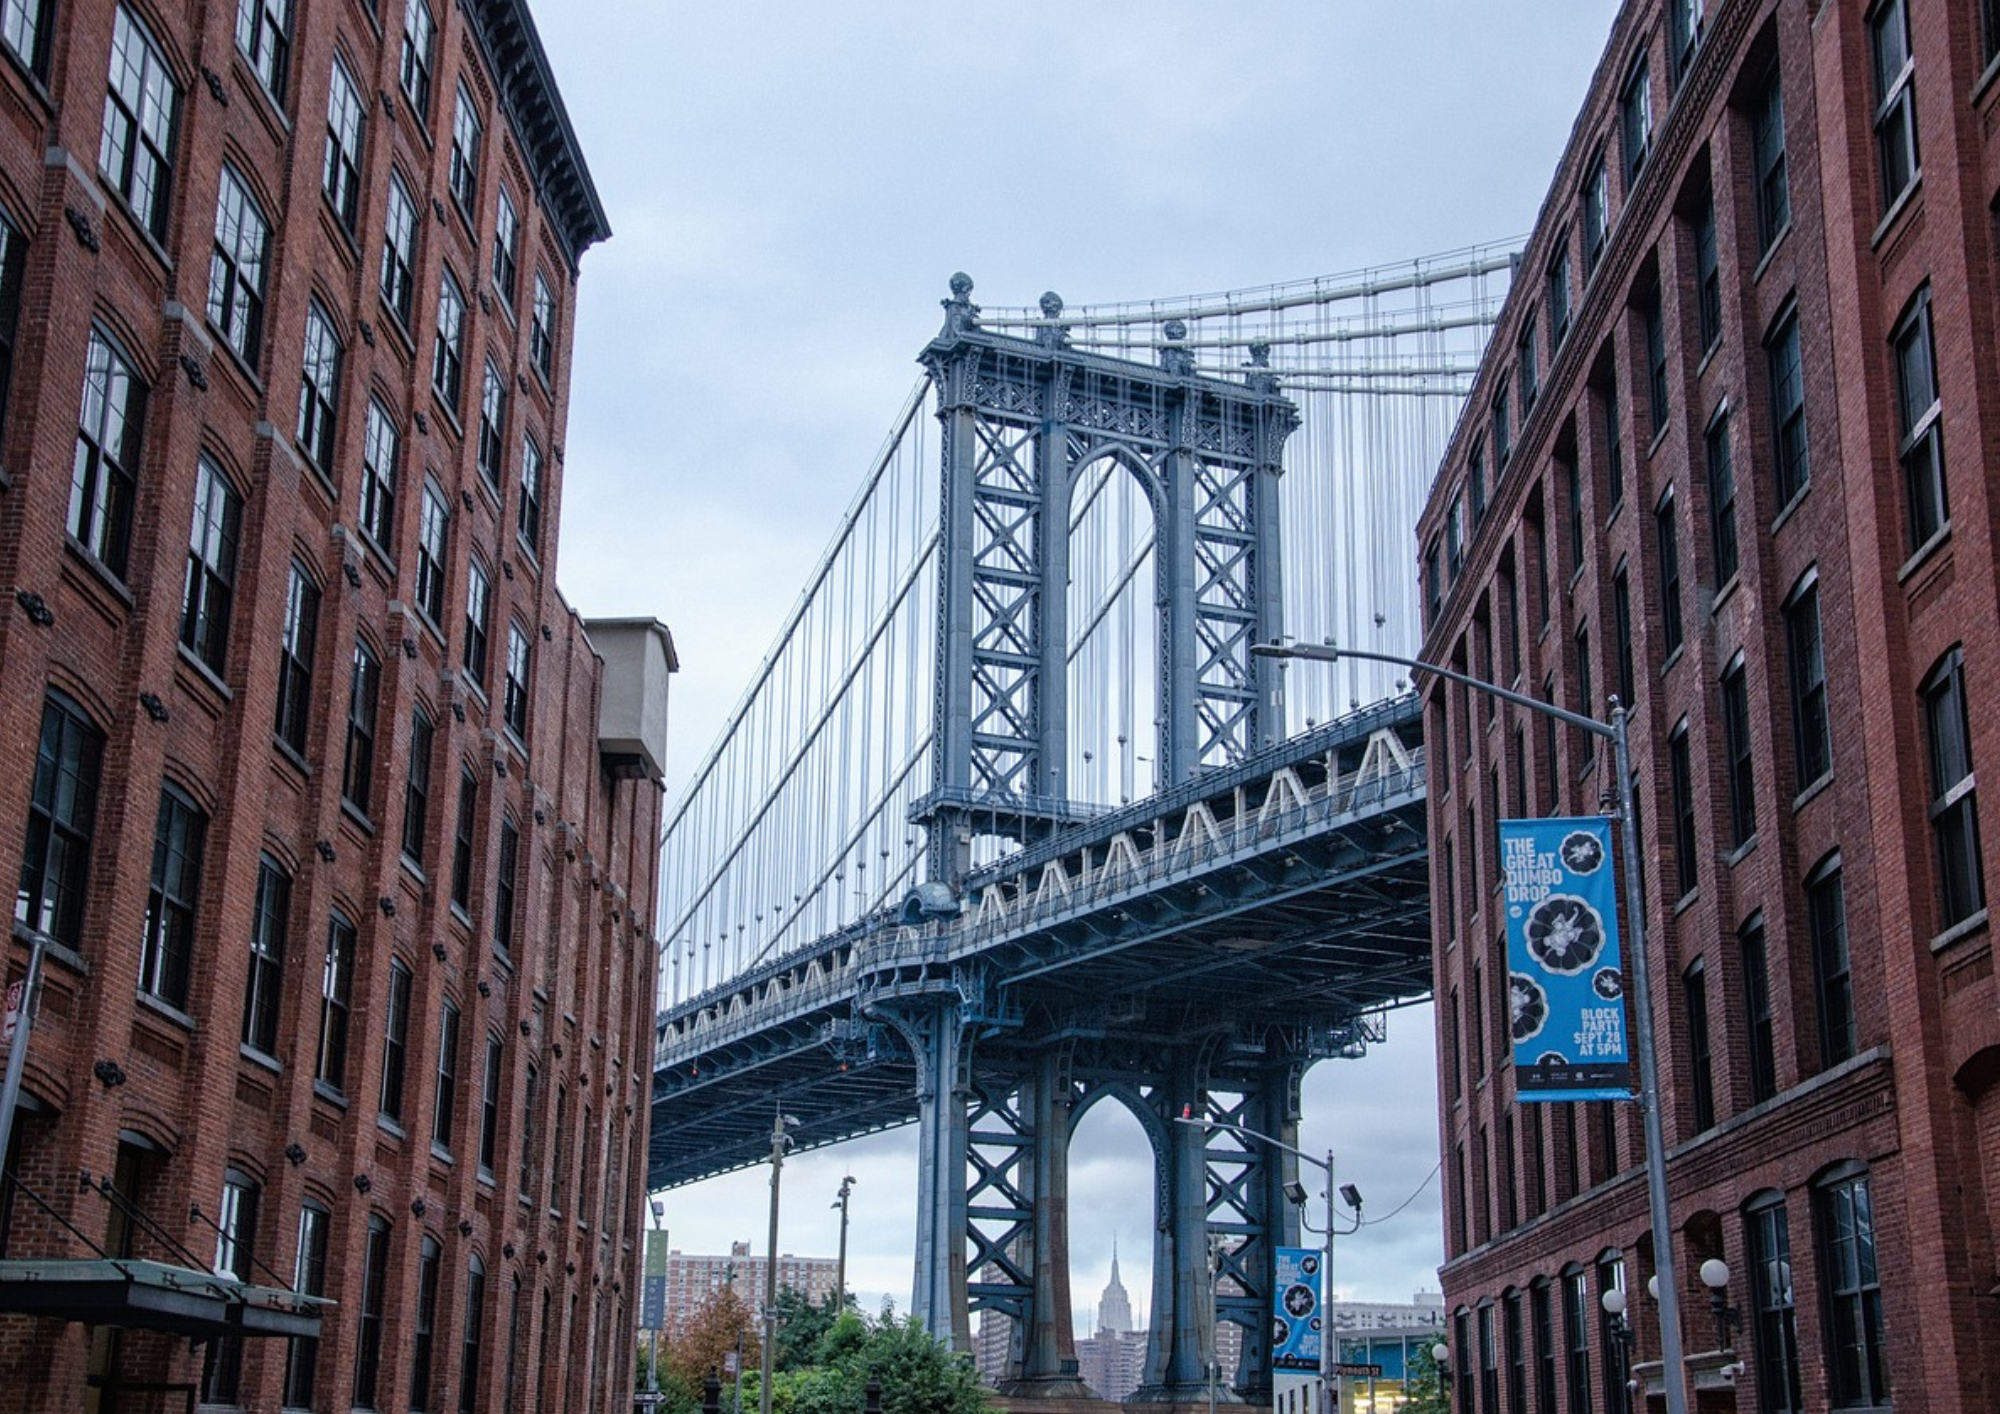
x: 1012, y: 821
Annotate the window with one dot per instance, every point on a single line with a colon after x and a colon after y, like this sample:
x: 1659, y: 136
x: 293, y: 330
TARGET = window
x: 528, y: 521
x: 1707, y: 275
x: 1954, y: 811
x: 1738, y: 747
x: 211, y: 567
x: 1680, y: 779
x: 417, y: 790
x: 1503, y: 430
x: 461, y: 842
x: 1989, y: 30
x: 13, y: 271
x: 263, y: 989
x: 1767, y: 158
x: 395, y: 1042
x: 478, y: 592
x: 448, y: 353
x: 1694, y: 989
x: 1475, y: 480
x: 1454, y: 537
x: 1788, y: 409
x: 1921, y: 449
x: 236, y: 270
x: 1573, y: 477
x: 1721, y: 499
x: 475, y: 1319
x: 340, y: 174
x: 1517, y: 1356
x: 308, y: 1279
x: 1833, y: 983
x: 319, y: 387
x: 380, y: 446
x: 503, y: 897
x: 1895, y: 100
x: 506, y: 248
x: 492, y: 424
x: 587, y: 1185
x: 24, y: 27
x: 1576, y: 1340
x: 1524, y: 349
x: 444, y: 1113
x: 1596, y: 215
x: 336, y: 989
x: 399, y: 251
x: 1763, y: 1048
x: 433, y: 521
x: 419, y: 30
x: 1683, y: 35
x: 1635, y: 119
x: 170, y: 903
x: 1558, y: 287
x: 542, y: 329
x: 104, y: 475
x: 368, y: 1332
x: 430, y: 1258
x: 1614, y: 450
x: 295, y: 657
x: 1774, y: 1330
x: 62, y: 816
x: 1585, y: 703
x: 1545, y: 1332
x: 1858, y: 1370
x: 235, y: 1240
x: 466, y: 132
x: 1811, y: 741
x: 514, y: 707
x: 1666, y: 525
x: 135, y: 153
x: 1621, y: 626
x: 532, y: 1089
x: 1462, y: 1344
x: 559, y: 1152
x: 263, y: 34
x: 1654, y: 312
x: 489, y: 1107
x: 1489, y: 1362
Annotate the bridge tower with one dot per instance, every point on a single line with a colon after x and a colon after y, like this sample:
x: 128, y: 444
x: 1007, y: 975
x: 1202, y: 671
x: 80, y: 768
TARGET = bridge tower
x: 1024, y: 421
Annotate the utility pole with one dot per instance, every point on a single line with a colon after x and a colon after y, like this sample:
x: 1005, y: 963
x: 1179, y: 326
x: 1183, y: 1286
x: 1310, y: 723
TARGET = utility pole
x: 780, y: 1141
x: 840, y: 1270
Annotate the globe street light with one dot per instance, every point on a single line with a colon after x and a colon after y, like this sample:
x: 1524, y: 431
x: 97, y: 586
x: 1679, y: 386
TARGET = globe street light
x: 1441, y: 1363
x: 1673, y: 1371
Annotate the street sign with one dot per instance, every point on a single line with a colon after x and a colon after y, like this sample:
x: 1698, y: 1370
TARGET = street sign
x: 1371, y: 1372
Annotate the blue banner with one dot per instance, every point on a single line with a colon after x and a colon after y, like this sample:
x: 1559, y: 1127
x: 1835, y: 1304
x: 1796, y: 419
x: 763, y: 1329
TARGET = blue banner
x: 1565, y: 979
x: 1297, y: 1322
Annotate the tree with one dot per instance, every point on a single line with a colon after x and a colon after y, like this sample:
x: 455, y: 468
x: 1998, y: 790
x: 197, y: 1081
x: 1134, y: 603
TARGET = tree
x: 712, y: 1332
x: 1423, y: 1384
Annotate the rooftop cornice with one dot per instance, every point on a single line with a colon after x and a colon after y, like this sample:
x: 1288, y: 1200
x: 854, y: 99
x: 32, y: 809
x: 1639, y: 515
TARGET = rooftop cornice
x: 513, y: 49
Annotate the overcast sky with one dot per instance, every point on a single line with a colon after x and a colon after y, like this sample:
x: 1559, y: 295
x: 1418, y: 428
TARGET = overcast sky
x: 791, y: 184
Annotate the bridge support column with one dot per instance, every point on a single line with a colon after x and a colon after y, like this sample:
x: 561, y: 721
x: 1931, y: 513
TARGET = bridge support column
x: 1181, y: 1342
x: 1048, y: 1347
x: 935, y: 1031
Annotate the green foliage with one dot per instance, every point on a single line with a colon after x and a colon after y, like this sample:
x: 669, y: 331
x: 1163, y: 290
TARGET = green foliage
x: 918, y: 1375
x: 1425, y: 1394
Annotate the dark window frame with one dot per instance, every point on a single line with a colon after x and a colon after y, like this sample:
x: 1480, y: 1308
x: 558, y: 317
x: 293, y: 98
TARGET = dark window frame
x: 173, y: 897
x: 110, y: 441
x: 141, y: 124
x: 1920, y: 430
x: 239, y: 266
x: 209, y: 590
x: 62, y: 821
x: 1832, y: 964
x: 336, y: 998
x: 263, y: 987
x: 1953, y: 807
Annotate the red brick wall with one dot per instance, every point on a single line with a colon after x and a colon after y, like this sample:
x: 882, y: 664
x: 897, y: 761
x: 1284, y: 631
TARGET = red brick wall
x: 573, y: 998
x: 1917, y: 1103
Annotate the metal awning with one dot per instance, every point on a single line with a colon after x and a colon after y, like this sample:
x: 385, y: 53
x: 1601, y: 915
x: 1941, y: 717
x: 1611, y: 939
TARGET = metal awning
x: 146, y: 1295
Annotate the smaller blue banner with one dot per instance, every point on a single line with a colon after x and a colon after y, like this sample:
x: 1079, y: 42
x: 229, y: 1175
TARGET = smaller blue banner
x: 1565, y: 979
x: 652, y: 1303
x: 1297, y: 1322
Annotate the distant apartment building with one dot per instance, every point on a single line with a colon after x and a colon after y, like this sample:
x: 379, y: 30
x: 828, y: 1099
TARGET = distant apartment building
x: 693, y: 1279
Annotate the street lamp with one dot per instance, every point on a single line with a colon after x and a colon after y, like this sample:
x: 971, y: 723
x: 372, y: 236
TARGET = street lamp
x: 1715, y: 1276
x: 1441, y: 1362
x: 653, y: 1360
x: 1348, y: 1191
x: 1673, y: 1371
x: 840, y: 1270
x: 780, y: 1141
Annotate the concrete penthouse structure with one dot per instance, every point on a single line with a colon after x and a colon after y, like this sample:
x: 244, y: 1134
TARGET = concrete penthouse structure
x: 1731, y: 457
x: 335, y: 823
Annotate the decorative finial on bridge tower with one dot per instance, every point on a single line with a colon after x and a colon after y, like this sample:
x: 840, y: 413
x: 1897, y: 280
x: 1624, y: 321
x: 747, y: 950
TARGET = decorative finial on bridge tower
x: 1052, y: 335
x: 1260, y: 379
x: 960, y: 313
x: 1176, y: 357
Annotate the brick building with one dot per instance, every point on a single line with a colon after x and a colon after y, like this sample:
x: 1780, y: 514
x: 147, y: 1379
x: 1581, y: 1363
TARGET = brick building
x: 693, y: 1278
x: 337, y: 820
x: 1728, y: 459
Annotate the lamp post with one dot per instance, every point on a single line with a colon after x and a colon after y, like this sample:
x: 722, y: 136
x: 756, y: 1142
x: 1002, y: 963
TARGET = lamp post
x: 1441, y: 1364
x: 1673, y: 1370
x: 840, y: 1269
x: 653, y: 1359
x: 1353, y: 1195
x: 780, y: 1141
